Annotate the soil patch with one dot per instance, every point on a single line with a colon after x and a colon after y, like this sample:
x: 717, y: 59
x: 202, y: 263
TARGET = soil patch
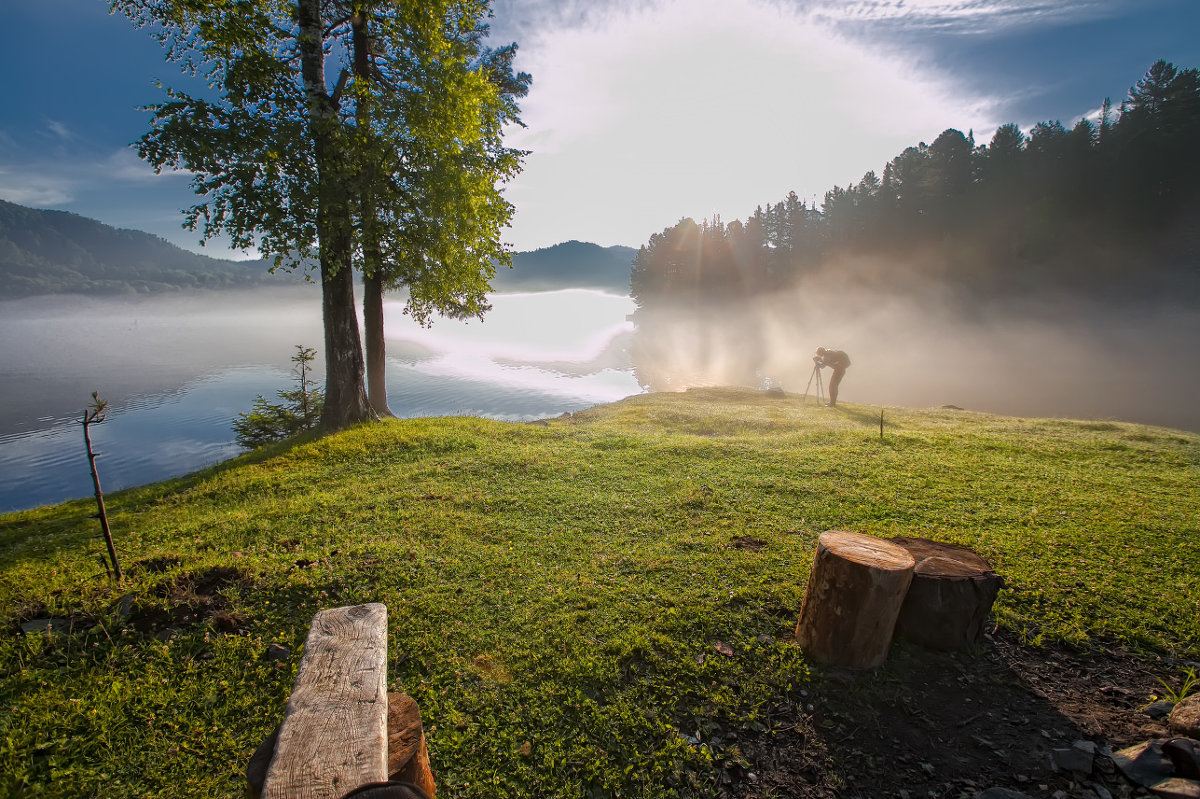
x: 946, y: 726
x: 188, y: 599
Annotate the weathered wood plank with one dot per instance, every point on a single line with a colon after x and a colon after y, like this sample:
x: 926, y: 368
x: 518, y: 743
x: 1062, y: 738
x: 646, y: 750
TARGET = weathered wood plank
x: 334, y: 733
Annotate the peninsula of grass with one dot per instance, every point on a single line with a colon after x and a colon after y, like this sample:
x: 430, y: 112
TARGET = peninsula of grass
x: 595, y: 605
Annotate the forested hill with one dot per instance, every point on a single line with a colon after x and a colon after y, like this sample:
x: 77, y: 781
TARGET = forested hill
x: 56, y: 252
x: 572, y: 264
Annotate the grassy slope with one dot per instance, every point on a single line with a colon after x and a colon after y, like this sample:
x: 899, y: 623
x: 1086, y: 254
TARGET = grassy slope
x: 556, y: 591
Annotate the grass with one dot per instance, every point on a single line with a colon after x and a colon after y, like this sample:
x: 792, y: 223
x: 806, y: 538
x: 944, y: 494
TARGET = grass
x: 596, y: 605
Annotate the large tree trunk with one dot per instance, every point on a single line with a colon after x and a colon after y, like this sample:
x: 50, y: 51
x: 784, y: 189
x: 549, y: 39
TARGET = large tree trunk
x: 376, y: 349
x: 951, y: 595
x: 854, y: 594
x: 372, y: 258
x: 345, y: 397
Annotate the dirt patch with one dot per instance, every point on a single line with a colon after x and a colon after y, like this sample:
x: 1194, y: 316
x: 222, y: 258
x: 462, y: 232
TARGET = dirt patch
x: 748, y: 542
x: 950, y: 725
x: 188, y: 599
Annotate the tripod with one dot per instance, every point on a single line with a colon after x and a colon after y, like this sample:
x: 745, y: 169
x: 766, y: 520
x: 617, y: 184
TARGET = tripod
x: 816, y: 372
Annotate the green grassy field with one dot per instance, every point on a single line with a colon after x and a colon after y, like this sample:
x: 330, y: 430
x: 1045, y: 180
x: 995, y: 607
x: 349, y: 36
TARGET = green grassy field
x: 558, y: 592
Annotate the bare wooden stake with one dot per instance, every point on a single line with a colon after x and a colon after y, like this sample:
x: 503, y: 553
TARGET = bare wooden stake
x: 95, y: 415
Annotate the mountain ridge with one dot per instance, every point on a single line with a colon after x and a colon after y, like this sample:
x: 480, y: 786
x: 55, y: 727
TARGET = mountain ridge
x: 46, y: 251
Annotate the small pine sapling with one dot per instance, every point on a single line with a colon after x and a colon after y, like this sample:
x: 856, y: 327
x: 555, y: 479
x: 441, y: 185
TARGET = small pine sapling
x: 300, y: 410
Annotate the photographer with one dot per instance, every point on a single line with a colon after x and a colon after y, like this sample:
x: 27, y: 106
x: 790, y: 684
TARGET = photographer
x: 836, y: 360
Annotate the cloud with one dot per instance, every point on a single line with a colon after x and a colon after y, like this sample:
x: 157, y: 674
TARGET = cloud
x: 963, y: 16
x: 641, y: 113
x: 60, y: 130
x: 17, y: 188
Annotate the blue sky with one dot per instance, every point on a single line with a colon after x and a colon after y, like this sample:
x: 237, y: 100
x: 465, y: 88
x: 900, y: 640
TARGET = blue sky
x: 642, y: 111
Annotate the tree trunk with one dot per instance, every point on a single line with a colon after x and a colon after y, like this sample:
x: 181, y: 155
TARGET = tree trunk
x: 372, y: 265
x: 376, y: 349
x: 408, y: 758
x: 951, y: 595
x: 345, y: 398
x: 854, y: 594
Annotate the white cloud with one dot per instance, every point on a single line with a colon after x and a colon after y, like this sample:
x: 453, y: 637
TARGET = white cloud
x: 36, y: 194
x: 963, y: 16
x: 60, y: 130
x: 647, y: 112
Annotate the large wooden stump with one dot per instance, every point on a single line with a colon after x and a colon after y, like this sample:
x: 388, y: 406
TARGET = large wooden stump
x: 950, y: 597
x: 408, y: 757
x: 854, y: 594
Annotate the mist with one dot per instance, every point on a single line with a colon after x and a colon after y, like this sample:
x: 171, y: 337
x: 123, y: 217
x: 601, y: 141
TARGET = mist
x: 1048, y: 356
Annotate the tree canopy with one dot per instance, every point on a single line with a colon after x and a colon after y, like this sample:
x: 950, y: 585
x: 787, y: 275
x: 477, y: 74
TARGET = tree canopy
x: 389, y: 160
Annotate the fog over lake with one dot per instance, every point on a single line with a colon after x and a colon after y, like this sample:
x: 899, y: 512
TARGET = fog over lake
x: 177, y: 369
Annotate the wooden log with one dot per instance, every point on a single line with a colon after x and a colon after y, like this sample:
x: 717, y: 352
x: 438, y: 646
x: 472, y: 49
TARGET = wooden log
x: 260, y: 761
x: 334, y: 733
x: 951, y: 595
x: 408, y: 757
x: 854, y: 594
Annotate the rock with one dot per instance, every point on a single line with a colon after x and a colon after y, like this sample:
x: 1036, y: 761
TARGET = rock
x: 45, y: 626
x: 1144, y: 764
x: 1177, y: 788
x: 1185, y: 717
x: 1074, y: 759
x: 1001, y: 793
x: 278, y: 652
x: 1185, y: 756
x: 125, y: 606
x: 1101, y: 791
x: 1158, y: 710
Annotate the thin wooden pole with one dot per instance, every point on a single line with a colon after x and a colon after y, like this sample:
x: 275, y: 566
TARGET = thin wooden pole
x: 102, y: 515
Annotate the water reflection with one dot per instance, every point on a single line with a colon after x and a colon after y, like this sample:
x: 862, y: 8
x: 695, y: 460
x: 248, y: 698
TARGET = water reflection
x: 177, y: 370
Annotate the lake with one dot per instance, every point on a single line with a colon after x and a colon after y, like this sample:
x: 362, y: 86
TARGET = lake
x: 177, y: 369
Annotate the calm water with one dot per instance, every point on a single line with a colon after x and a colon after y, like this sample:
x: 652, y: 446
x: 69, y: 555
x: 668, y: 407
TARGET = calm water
x: 177, y: 370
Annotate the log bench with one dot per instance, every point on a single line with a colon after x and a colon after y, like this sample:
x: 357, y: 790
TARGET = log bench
x: 342, y: 731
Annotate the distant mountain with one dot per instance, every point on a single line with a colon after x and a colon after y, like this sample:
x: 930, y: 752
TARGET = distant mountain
x: 56, y: 252
x: 572, y: 264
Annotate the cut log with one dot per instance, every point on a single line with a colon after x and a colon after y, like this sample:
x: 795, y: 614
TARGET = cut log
x: 334, y: 733
x: 408, y: 758
x: 854, y: 594
x: 260, y: 761
x: 950, y: 598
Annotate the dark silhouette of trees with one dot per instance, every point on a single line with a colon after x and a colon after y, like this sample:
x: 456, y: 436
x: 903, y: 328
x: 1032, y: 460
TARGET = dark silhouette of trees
x: 1100, y: 208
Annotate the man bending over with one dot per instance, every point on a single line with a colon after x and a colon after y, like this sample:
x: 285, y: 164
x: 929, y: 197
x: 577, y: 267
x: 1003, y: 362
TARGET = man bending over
x: 836, y: 360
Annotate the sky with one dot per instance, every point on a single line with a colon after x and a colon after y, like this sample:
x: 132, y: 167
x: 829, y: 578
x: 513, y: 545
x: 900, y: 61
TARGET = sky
x: 641, y: 112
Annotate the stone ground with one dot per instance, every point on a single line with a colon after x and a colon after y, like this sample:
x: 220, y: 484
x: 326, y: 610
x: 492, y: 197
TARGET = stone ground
x: 947, y: 726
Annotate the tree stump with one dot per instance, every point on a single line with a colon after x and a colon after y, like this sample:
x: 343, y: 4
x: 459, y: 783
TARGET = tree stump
x: 408, y: 759
x: 854, y: 595
x: 950, y: 597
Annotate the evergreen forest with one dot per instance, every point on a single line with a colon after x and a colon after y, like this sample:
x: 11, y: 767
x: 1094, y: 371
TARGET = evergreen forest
x: 1105, y: 209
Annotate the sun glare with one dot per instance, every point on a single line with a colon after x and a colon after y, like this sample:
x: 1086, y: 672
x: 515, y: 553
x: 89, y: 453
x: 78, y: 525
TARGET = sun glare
x: 708, y: 107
